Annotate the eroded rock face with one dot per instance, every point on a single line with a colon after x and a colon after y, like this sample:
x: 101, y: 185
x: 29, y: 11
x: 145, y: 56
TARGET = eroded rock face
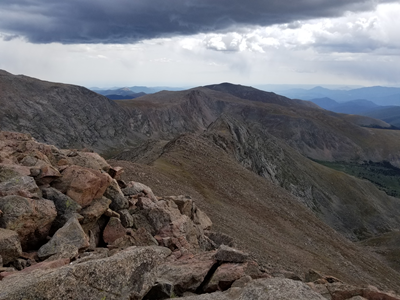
x: 128, y: 274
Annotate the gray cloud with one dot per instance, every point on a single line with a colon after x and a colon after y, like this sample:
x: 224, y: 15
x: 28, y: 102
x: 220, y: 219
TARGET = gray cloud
x: 128, y: 21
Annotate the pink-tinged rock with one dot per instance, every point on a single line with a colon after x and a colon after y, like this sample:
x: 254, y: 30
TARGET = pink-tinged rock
x: 47, y: 174
x: 134, y: 188
x: 116, y: 172
x: 200, y: 218
x: 8, y: 171
x: 228, y: 254
x: 339, y: 291
x: 31, y: 219
x: 128, y: 274
x: 89, y: 160
x: 83, y: 185
x: 94, y: 211
x: 187, y: 207
x: 226, y: 274
x: 187, y: 272
x: 113, y: 231
x: 10, y: 246
x: 44, y: 265
x: 24, y: 186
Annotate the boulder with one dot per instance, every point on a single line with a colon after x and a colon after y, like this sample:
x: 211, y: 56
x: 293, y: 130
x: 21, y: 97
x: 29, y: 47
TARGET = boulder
x: 82, y: 184
x: 113, y: 231
x: 47, y: 173
x: 114, y: 193
x: 187, y: 207
x: 31, y: 219
x: 94, y: 211
x: 44, y: 265
x: 219, y: 238
x: 9, y: 171
x: 135, y: 188
x: 228, y: 254
x: 10, y: 246
x: 186, y: 273
x: 264, y: 289
x: 227, y: 274
x: 70, y: 234
x: 162, y: 214
x: 140, y: 237
x: 181, y: 234
x: 340, y: 291
x: 200, y: 218
x: 184, y: 203
x: 126, y: 218
x: 128, y: 274
x: 89, y: 160
x: 65, y: 206
x: 115, y: 172
x: 24, y: 186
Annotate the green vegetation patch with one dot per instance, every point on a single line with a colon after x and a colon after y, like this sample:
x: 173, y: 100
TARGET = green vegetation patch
x: 385, y: 176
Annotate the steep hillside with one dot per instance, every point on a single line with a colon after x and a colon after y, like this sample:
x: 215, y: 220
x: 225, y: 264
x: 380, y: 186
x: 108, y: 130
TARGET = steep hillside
x: 61, y: 114
x: 263, y: 218
x: 390, y: 115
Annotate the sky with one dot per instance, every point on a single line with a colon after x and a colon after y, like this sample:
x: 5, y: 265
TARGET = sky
x: 184, y: 43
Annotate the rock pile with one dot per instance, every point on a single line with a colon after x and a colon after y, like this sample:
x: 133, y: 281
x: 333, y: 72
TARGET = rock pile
x: 71, y: 229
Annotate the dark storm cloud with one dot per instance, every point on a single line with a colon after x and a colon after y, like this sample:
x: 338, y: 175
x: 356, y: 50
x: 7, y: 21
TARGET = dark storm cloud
x: 127, y: 21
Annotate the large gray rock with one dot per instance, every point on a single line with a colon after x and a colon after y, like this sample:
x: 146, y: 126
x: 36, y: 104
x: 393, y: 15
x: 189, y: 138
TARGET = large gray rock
x: 264, y: 289
x: 115, y: 194
x: 186, y: 273
x: 10, y: 247
x: 135, y: 188
x: 228, y: 254
x: 65, y: 206
x: 70, y: 234
x: 24, y: 186
x: 128, y: 275
x: 93, y: 212
x: 31, y: 219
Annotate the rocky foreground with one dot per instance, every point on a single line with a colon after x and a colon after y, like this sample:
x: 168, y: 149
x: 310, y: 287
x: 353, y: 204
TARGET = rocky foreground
x: 71, y: 229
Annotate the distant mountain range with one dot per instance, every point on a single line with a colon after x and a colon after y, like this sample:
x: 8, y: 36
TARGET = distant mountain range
x: 132, y: 92
x: 377, y: 94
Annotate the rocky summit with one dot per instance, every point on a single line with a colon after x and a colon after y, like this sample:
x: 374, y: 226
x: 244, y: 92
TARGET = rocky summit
x: 80, y: 232
x: 217, y: 192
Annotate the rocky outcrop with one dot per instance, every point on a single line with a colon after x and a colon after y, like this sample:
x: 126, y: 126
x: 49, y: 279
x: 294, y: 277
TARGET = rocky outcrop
x: 78, y: 247
x: 264, y: 289
x: 128, y: 274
